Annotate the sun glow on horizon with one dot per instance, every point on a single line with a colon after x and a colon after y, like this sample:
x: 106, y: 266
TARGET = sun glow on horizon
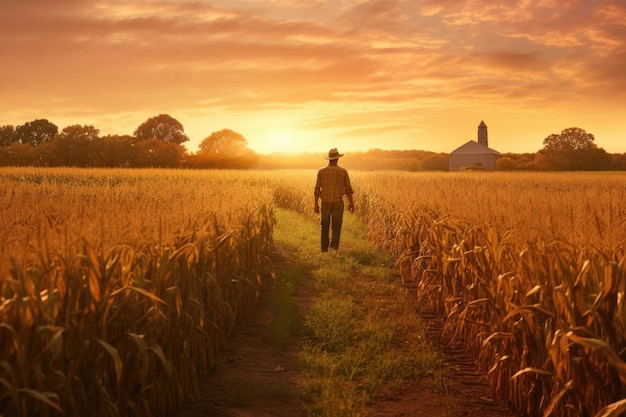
x: 297, y: 77
x: 280, y: 142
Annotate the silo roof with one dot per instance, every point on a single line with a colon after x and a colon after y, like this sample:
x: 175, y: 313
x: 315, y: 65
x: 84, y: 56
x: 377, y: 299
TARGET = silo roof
x: 472, y: 148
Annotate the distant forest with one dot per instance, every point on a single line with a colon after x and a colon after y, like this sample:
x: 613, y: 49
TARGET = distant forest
x: 159, y: 143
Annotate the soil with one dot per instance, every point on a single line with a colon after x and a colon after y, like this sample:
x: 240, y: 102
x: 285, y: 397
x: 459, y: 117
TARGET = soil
x: 248, y: 359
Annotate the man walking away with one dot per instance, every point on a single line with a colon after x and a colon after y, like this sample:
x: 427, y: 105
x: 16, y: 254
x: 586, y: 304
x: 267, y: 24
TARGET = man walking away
x: 331, y: 185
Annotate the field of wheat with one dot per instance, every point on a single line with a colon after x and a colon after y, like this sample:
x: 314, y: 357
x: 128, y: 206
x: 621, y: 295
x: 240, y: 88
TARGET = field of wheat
x: 101, y: 269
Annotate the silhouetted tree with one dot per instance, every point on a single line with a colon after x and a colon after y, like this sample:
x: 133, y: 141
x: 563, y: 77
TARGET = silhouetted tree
x: 18, y: 155
x: 118, y: 151
x: 618, y: 162
x: 153, y: 153
x: 162, y: 127
x: 78, y: 146
x: 7, y: 135
x: 225, y: 149
x: 36, y: 132
x: 574, y: 149
x: 5, y: 156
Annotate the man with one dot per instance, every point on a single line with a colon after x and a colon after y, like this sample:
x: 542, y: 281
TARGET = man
x: 331, y: 185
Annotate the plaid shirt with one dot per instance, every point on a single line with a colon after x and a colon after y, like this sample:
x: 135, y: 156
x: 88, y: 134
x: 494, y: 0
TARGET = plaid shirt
x: 332, y: 183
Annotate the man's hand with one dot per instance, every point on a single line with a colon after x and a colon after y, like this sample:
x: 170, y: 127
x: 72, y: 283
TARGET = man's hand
x: 351, y: 208
x: 317, y: 209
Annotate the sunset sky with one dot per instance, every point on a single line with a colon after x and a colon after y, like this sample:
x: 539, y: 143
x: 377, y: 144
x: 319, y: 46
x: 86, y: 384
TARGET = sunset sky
x: 308, y: 75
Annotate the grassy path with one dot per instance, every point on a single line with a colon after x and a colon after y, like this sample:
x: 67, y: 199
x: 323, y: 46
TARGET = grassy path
x: 364, y: 341
x: 334, y: 335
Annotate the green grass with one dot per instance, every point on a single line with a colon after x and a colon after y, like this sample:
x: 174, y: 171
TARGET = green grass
x: 362, y: 335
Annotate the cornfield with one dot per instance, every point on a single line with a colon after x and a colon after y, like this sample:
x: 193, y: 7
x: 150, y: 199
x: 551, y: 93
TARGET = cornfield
x: 529, y: 271
x: 117, y: 287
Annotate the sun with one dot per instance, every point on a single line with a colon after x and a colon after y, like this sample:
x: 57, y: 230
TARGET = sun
x: 285, y: 142
x: 281, y: 141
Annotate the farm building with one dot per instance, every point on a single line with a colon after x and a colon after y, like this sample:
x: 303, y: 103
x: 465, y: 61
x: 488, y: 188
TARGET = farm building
x: 475, y: 154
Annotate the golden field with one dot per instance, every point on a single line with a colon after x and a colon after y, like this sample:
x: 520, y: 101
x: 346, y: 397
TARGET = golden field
x: 102, y: 268
x: 529, y: 271
x: 118, y: 287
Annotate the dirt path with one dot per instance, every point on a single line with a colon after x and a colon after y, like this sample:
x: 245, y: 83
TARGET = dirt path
x: 250, y: 361
x: 250, y: 365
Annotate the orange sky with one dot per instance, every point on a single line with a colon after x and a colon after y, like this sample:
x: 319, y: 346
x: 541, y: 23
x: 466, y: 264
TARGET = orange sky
x: 308, y: 75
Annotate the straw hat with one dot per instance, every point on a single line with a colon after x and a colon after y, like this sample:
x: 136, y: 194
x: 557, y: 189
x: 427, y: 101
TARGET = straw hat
x: 333, y: 154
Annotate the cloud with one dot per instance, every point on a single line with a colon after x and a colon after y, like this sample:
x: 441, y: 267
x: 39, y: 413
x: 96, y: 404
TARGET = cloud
x: 376, y: 60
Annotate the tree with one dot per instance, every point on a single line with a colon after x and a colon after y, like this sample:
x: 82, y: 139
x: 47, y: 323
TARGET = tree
x: 36, y: 132
x: 516, y: 162
x: 570, y: 139
x: 223, y: 143
x: 18, y: 155
x: 7, y: 135
x: 118, y: 151
x: 78, y: 146
x: 436, y: 162
x: 226, y: 149
x: 574, y: 149
x: 153, y: 153
x: 618, y: 162
x: 162, y: 127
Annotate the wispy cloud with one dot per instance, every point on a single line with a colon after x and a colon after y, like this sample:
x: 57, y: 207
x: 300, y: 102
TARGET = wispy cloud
x: 301, y: 57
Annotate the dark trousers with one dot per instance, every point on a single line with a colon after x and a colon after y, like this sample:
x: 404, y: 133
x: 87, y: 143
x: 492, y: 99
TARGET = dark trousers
x: 331, y: 215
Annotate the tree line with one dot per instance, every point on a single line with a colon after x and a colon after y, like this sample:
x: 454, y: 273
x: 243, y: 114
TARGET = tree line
x: 572, y: 150
x: 156, y: 143
x: 159, y: 143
